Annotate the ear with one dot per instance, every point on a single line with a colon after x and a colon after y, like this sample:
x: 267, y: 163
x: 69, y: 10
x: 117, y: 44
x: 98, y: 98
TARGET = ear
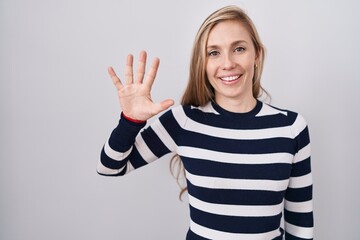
x: 258, y: 57
x: 256, y: 62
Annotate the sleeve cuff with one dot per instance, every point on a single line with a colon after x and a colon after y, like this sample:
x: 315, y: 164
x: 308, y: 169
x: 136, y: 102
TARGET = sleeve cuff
x: 132, y: 121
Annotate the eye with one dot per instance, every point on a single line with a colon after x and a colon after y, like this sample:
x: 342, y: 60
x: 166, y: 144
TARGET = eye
x: 239, y: 49
x: 213, y: 53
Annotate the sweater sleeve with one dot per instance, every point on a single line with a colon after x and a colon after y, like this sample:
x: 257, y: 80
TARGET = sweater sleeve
x: 298, y: 212
x: 131, y: 146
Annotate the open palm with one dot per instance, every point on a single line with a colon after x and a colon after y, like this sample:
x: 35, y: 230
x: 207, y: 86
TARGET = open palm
x: 134, y: 96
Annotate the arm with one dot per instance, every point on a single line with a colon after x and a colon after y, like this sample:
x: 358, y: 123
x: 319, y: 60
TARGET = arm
x: 119, y: 149
x: 298, y: 213
x: 136, y: 104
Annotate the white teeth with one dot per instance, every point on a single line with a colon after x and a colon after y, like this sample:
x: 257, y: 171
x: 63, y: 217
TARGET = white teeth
x: 230, y: 78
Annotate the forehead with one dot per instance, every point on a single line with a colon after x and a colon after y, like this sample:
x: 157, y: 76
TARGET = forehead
x: 228, y: 31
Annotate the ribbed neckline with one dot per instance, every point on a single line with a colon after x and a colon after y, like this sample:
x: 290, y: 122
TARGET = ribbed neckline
x: 226, y: 113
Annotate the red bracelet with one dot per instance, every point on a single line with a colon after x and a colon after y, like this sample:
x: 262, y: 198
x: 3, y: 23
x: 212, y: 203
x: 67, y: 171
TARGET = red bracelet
x: 131, y: 119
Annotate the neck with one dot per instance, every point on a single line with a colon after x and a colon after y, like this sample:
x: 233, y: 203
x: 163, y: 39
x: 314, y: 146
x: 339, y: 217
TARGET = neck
x: 237, y: 106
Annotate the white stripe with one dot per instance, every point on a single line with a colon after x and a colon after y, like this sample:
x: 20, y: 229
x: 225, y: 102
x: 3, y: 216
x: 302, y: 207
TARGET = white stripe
x: 115, y: 155
x: 163, y: 135
x: 299, y: 207
x: 267, y: 110
x: 230, y: 183
x: 236, y: 210
x: 300, y: 232
x: 107, y: 171
x: 300, y: 182
x: 208, y: 108
x: 219, y: 235
x: 119, y: 156
x: 266, y: 133
x: 235, y: 158
x: 144, y: 150
x: 129, y: 168
x: 303, y: 154
x: 238, y: 134
x: 299, y: 125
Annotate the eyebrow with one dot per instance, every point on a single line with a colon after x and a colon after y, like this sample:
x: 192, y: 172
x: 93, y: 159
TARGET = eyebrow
x: 232, y: 44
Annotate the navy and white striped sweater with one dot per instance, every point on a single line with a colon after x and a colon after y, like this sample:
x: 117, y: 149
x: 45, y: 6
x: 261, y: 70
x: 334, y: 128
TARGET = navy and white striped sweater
x: 244, y: 171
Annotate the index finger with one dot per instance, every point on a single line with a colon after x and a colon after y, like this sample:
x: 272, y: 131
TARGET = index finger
x: 114, y: 78
x: 152, y: 72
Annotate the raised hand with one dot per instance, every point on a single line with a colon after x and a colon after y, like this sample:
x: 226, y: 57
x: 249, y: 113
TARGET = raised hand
x: 134, y: 96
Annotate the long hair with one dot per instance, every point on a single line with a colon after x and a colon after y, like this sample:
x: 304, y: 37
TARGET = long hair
x: 199, y: 90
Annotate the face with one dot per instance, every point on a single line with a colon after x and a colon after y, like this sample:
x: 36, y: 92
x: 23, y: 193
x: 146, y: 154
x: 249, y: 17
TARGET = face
x: 231, y: 60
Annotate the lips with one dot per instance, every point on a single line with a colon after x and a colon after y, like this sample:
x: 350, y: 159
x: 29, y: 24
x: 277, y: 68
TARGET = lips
x: 230, y: 78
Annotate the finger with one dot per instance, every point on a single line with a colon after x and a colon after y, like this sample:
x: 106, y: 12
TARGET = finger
x: 141, y: 67
x: 114, y: 78
x: 129, y: 75
x: 164, y: 105
x: 152, y: 72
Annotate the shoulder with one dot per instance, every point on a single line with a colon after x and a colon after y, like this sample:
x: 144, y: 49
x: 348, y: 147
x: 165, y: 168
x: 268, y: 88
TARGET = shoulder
x: 174, y: 115
x: 190, y: 111
x: 182, y: 114
x: 293, y: 119
x: 287, y: 115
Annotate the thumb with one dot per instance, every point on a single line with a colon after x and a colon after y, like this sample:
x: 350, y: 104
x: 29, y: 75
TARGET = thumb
x: 165, y: 104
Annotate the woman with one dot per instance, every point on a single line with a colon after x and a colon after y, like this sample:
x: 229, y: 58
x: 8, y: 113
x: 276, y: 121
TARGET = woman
x: 247, y: 164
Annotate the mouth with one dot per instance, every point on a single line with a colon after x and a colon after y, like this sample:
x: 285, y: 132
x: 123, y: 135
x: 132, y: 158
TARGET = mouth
x: 229, y: 79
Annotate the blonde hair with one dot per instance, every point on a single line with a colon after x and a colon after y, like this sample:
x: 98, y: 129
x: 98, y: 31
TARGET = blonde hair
x: 199, y: 91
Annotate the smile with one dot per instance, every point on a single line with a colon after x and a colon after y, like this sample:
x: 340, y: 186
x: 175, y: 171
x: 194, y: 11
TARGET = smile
x: 230, y: 78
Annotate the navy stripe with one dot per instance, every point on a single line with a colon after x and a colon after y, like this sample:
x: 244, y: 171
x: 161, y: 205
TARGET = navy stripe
x: 234, y: 224
x: 136, y: 159
x: 121, y: 173
x: 123, y: 136
x: 273, y: 171
x: 301, y: 168
x: 299, y: 194
x: 288, y: 236
x: 299, y: 219
x: 193, y: 236
x: 154, y: 143
x: 235, y: 197
x: 109, y: 162
x: 247, y: 122
x: 303, y: 138
x: 273, y: 121
x: 171, y: 125
x: 255, y: 146
x: 281, y: 234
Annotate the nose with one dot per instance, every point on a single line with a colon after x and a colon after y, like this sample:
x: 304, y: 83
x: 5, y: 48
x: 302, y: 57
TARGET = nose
x: 228, y: 62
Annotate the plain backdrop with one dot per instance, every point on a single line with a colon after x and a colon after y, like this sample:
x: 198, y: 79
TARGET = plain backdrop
x: 58, y: 107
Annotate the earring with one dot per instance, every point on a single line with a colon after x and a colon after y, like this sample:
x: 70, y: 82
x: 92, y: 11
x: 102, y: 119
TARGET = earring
x: 256, y: 65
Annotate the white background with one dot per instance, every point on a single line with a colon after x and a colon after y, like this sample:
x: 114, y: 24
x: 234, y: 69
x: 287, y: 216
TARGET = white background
x: 58, y: 107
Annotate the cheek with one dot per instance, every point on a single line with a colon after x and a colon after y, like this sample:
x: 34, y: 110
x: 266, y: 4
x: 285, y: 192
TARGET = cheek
x: 251, y: 68
x: 208, y: 69
x: 249, y: 65
x: 250, y: 72
x: 248, y: 61
x: 210, y: 73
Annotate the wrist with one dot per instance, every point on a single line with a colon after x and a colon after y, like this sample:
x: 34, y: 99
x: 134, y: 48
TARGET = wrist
x: 132, y: 119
